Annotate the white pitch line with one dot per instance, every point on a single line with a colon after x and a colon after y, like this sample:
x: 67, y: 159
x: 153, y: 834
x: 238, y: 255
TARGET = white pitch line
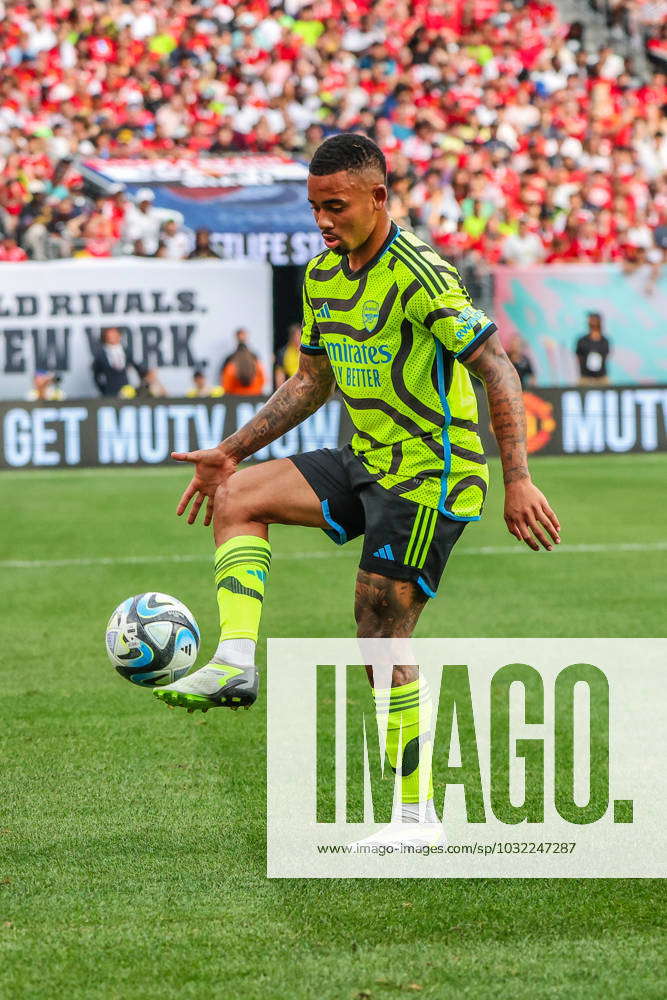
x: 485, y: 550
x: 507, y: 550
x: 138, y: 560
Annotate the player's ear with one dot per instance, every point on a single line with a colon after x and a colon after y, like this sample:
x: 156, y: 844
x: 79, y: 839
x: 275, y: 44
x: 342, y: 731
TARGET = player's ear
x: 380, y: 195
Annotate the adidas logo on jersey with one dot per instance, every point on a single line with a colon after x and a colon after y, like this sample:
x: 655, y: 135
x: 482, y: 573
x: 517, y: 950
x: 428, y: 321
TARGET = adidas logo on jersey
x: 324, y: 312
x: 385, y: 553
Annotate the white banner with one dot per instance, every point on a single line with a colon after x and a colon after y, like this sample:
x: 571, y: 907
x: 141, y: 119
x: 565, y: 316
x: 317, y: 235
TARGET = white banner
x: 547, y: 759
x: 174, y: 315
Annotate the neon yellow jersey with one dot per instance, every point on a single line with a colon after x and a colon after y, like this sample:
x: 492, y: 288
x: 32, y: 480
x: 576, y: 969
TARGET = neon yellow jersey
x: 395, y: 332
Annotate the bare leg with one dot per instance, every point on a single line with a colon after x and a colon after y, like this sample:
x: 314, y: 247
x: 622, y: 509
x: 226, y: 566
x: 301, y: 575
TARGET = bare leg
x: 386, y: 608
x: 272, y: 493
x: 389, y: 609
x: 250, y: 500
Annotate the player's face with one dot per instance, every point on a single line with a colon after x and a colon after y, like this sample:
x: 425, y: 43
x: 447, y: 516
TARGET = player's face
x: 347, y: 207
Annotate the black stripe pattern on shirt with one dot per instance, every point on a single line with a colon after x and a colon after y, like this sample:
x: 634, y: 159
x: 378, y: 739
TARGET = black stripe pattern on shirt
x: 445, y: 268
x: 443, y: 275
x: 409, y: 292
x: 373, y: 441
x: 324, y: 273
x: 465, y: 453
x: 475, y: 344
x: 400, y: 419
x: 396, y: 457
x: 412, y: 266
x: 374, y: 403
x: 347, y: 330
x: 466, y: 425
x: 462, y: 485
x: 400, y: 388
x: 442, y: 312
x: 420, y: 265
x: 343, y: 305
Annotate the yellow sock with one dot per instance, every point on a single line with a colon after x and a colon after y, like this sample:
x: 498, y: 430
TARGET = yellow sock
x: 241, y: 568
x: 408, y: 710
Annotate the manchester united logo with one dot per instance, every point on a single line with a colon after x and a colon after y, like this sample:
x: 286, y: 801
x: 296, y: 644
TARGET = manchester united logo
x: 540, y: 421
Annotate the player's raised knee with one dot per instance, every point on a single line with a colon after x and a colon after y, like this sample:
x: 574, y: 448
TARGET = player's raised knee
x: 236, y: 500
x: 229, y: 496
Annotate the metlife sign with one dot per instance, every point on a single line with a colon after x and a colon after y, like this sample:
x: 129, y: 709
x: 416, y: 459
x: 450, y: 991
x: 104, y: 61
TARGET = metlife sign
x: 113, y: 433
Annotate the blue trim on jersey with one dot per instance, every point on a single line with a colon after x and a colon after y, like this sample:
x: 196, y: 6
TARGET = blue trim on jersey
x: 466, y: 349
x: 457, y: 517
x: 338, y: 533
x: 425, y: 587
x: 439, y: 355
x: 309, y: 349
x: 392, y: 240
x: 440, y: 362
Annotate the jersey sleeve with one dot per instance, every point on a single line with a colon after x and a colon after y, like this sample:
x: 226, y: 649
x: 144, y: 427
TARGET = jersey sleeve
x: 310, y: 334
x: 454, y: 321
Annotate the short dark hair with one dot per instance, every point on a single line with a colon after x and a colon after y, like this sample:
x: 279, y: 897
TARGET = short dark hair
x: 348, y: 151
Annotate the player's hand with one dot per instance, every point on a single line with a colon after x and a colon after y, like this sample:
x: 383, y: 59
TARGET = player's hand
x: 212, y: 468
x: 529, y: 517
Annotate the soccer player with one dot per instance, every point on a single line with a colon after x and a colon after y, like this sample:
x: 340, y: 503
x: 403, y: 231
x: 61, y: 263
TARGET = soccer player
x: 389, y: 321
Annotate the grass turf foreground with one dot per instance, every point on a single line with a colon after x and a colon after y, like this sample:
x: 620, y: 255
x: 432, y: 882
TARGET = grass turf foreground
x: 132, y: 850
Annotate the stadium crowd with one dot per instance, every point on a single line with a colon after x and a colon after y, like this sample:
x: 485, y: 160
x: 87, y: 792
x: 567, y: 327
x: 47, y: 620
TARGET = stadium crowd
x: 507, y: 141
x: 643, y: 21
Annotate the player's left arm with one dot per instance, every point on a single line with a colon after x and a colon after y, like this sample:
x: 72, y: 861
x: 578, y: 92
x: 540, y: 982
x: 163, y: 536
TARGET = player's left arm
x: 528, y: 514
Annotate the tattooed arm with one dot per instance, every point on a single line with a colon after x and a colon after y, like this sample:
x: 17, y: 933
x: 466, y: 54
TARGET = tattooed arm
x: 527, y: 512
x: 296, y: 399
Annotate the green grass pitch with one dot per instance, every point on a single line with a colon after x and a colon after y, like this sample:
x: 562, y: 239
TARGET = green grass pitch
x: 132, y: 852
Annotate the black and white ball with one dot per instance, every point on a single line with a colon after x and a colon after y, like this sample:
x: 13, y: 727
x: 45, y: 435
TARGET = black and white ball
x: 152, y: 639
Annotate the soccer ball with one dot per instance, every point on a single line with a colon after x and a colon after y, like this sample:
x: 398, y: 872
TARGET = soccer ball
x: 152, y: 639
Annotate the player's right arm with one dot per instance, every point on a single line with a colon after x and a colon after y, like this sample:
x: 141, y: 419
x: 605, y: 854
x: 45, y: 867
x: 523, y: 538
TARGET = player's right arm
x: 298, y: 397
x: 294, y: 400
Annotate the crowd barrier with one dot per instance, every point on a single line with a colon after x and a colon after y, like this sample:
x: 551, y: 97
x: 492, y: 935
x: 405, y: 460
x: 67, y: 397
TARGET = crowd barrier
x: 88, y: 433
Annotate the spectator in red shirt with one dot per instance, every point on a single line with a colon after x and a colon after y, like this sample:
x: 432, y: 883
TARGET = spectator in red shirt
x: 10, y: 251
x: 498, y: 96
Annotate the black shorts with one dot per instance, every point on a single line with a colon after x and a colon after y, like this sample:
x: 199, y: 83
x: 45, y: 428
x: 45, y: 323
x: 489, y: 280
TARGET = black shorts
x: 402, y: 539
